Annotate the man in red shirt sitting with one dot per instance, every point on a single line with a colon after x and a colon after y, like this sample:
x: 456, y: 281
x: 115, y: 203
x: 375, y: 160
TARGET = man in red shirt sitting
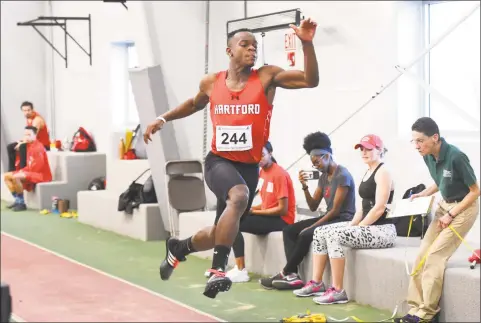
x: 37, y: 169
x: 15, y: 149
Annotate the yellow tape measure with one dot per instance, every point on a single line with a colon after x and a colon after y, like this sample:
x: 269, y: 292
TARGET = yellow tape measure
x: 423, y: 259
x: 308, y: 317
x: 322, y: 318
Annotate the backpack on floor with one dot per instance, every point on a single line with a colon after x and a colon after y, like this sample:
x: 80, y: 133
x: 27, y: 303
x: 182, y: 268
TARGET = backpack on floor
x: 420, y: 224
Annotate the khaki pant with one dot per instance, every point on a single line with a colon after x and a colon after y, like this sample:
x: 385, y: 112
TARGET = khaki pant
x: 425, y: 288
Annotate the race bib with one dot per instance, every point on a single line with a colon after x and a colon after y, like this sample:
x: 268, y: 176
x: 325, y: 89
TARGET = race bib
x: 233, y: 138
x: 270, y: 187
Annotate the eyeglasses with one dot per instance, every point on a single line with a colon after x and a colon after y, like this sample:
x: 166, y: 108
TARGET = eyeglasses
x: 317, y: 160
x: 417, y: 141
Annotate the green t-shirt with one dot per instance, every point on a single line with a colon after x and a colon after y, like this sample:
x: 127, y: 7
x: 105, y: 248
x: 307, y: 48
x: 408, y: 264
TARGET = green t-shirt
x: 452, y: 172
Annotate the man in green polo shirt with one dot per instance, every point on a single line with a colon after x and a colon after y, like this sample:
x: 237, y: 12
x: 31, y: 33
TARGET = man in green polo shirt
x: 454, y: 177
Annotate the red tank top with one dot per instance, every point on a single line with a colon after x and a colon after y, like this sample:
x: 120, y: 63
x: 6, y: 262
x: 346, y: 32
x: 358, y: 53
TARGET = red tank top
x: 42, y: 134
x: 241, y: 120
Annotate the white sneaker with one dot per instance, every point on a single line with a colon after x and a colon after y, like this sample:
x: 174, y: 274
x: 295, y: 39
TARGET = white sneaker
x: 238, y: 276
x: 207, y: 273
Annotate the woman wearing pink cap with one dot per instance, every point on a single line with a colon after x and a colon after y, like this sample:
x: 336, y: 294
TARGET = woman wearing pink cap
x: 369, y: 229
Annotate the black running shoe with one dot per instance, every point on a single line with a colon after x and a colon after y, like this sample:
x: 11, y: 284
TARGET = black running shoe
x: 11, y: 206
x: 288, y: 282
x: 217, y: 282
x: 267, y: 282
x: 19, y: 207
x: 170, y: 261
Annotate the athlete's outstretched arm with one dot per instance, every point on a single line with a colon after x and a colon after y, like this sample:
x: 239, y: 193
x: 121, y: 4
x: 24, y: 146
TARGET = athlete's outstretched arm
x: 308, y: 78
x: 187, y: 108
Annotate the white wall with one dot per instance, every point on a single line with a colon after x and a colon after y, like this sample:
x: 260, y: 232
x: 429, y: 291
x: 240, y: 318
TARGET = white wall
x: 82, y: 92
x: 23, y: 65
x: 180, y: 43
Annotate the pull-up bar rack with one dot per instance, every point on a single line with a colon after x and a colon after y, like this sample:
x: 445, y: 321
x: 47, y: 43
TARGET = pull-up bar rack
x: 118, y: 1
x: 62, y: 23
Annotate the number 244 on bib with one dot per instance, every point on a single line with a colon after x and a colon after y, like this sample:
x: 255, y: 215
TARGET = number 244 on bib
x: 233, y: 138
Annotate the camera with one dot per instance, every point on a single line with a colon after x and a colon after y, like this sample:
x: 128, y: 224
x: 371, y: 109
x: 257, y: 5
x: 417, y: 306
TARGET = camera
x: 311, y: 174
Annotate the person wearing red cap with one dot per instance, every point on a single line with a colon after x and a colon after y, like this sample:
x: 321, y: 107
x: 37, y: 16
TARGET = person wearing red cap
x: 368, y: 229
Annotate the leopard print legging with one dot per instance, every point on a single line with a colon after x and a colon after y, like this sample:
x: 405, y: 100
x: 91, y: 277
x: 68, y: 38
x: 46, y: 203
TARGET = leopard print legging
x: 330, y: 239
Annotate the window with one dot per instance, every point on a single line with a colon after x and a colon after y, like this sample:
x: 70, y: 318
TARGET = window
x: 124, y: 109
x: 452, y: 67
x: 133, y: 62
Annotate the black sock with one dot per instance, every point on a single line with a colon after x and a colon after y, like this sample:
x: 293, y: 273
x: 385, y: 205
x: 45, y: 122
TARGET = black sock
x: 289, y: 269
x: 221, y: 255
x: 185, y: 247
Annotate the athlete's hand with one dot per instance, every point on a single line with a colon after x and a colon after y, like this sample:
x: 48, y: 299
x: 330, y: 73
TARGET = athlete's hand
x: 306, y: 30
x: 151, y: 129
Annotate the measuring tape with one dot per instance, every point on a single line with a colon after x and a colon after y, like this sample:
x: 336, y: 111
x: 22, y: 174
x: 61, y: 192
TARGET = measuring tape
x: 416, y: 270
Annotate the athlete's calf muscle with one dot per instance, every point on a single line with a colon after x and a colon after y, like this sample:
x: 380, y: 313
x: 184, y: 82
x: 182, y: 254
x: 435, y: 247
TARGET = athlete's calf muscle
x: 204, y: 239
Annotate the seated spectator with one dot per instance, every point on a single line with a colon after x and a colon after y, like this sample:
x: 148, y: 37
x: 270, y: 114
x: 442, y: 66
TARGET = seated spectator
x: 36, y: 171
x: 336, y: 186
x: 368, y: 230
x: 276, y: 211
x: 454, y: 177
x: 35, y: 120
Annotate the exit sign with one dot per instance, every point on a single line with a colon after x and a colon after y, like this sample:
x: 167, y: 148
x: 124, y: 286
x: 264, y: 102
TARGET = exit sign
x: 290, y: 42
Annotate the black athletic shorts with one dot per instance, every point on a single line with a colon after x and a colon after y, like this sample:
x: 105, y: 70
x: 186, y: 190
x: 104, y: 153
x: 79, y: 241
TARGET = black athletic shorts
x: 222, y: 174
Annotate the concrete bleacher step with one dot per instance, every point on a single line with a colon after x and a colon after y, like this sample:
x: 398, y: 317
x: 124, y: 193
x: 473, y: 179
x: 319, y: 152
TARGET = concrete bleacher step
x: 375, y: 277
x: 99, y: 208
x: 57, y: 175
x: 71, y: 172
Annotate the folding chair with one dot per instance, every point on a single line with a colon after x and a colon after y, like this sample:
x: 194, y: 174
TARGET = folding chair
x: 185, y: 189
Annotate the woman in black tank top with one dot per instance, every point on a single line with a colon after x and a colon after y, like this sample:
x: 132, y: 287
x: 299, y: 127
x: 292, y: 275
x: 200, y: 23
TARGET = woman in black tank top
x: 369, y: 229
x: 367, y: 191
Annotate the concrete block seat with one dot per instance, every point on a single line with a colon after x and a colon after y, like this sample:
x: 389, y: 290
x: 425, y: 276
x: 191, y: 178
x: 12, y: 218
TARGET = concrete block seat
x: 57, y: 175
x: 99, y: 208
x: 374, y: 277
x: 71, y: 172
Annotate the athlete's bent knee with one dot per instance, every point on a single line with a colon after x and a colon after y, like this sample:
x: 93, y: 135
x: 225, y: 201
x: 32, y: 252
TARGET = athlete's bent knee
x: 238, y: 197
